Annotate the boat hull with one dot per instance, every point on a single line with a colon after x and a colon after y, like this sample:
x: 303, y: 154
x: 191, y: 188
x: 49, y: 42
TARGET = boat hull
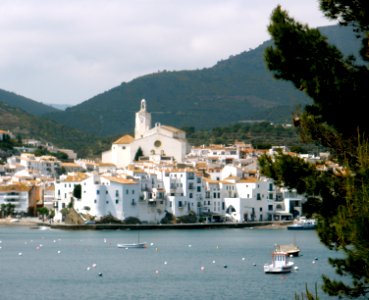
x: 301, y: 227
x: 270, y: 269
x: 135, y: 245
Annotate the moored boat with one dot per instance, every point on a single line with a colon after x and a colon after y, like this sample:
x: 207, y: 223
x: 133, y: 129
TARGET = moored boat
x: 290, y: 249
x: 280, y: 263
x: 133, y: 245
x: 303, y: 224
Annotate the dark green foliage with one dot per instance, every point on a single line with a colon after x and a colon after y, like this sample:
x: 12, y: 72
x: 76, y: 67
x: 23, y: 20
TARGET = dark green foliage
x: 30, y: 106
x: 7, y: 209
x: 138, y: 154
x: 132, y: 220
x: 261, y: 135
x: 28, y: 126
x: 109, y: 219
x: 337, y: 120
x: 168, y: 219
x: 190, y: 218
x: 77, y: 191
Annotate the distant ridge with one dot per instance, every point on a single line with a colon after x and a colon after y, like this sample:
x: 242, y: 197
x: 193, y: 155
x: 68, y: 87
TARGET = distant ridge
x: 234, y: 90
x: 26, y: 104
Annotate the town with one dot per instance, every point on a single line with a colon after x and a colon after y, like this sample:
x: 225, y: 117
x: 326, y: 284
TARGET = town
x: 153, y: 177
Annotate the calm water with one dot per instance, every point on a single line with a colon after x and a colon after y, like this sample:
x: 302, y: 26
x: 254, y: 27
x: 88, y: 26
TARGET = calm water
x: 178, y: 264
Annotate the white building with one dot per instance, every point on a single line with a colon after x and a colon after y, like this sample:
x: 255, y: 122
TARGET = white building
x: 158, y: 140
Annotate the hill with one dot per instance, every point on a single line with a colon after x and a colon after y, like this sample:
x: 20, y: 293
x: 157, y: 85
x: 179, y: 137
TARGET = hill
x: 26, y: 125
x: 238, y: 89
x: 28, y: 105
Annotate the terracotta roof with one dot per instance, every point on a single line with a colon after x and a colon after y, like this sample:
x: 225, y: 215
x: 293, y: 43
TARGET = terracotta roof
x: 125, y: 139
x: 15, y: 188
x: 121, y: 180
x: 77, y: 177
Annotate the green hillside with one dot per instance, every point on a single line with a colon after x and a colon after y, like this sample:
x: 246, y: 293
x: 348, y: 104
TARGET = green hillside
x: 30, y: 106
x: 26, y: 125
x: 237, y: 89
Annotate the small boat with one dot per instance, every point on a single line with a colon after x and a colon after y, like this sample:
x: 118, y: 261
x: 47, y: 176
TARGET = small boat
x: 280, y: 263
x: 133, y: 245
x: 290, y: 249
x: 303, y: 224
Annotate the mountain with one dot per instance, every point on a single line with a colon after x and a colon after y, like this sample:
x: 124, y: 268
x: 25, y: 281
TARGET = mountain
x: 26, y: 125
x: 238, y: 89
x: 28, y: 105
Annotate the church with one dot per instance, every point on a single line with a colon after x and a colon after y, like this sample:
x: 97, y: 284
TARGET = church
x: 158, y: 141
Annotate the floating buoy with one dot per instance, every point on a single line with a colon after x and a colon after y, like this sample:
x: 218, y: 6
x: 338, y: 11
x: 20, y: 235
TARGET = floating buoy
x: 59, y: 251
x: 296, y: 267
x: 243, y: 258
x: 94, y: 265
x: 254, y: 264
x: 189, y: 245
x: 213, y: 261
x: 225, y: 266
x: 100, y: 274
x: 156, y: 272
x: 151, y: 244
x: 88, y: 269
x: 20, y: 253
x: 202, y: 268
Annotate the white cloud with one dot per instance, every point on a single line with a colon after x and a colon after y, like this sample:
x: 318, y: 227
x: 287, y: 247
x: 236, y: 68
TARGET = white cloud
x: 66, y: 51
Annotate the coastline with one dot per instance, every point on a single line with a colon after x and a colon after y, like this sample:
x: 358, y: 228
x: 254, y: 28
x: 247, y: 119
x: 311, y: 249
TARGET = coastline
x: 32, y: 222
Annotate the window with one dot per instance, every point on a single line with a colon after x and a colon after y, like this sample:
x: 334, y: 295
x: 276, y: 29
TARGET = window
x: 258, y: 196
x: 199, y: 189
x: 116, y: 193
x: 190, y: 195
x: 116, y: 201
x: 271, y: 196
x: 133, y: 191
x: 270, y: 207
x: 97, y: 192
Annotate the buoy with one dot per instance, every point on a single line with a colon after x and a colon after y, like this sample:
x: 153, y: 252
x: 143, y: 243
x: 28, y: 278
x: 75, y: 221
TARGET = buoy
x: 202, y: 268
x: 254, y: 264
x: 165, y: 262
x: 20, y: 253
x: 243, y: 258
x: 225, y: 266
x: 296, y: 267
x: 156, y: 272
x: 59, y: 251
x: 213, y: 261
x: 100, y: 274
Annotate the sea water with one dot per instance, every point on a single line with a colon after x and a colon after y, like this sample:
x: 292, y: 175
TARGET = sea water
x: 55, y: 264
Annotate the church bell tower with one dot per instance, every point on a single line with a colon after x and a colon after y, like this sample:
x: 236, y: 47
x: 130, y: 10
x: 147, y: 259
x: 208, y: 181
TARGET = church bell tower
x: 143, y: 121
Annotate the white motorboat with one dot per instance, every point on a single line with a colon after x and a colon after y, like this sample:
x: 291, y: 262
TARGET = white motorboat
x: 280, y: 263
x: 303, y: 224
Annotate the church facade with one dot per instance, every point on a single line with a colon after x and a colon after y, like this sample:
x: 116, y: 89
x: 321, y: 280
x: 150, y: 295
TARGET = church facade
x: 157, y: 141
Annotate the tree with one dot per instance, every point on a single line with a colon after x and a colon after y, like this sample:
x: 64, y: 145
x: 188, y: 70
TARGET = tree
x: 138, y: 154
x: 336, y: 120
x: 77, y: 191
x: 44, y: 212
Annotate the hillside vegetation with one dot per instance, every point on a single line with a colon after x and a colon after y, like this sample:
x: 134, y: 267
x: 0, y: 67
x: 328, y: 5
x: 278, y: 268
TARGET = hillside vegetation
x: 24, y: 125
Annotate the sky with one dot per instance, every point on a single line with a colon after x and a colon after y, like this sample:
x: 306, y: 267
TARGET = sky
x: 67, y: 51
